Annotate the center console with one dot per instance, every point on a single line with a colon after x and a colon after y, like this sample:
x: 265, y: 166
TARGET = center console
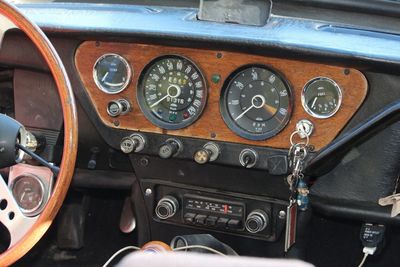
x: 214, y: 211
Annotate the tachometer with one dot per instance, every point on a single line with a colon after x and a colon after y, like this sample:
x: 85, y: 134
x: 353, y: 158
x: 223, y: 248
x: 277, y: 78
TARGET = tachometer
x: 256, y: 103
x: 112, y: 73
x: 172, y: 92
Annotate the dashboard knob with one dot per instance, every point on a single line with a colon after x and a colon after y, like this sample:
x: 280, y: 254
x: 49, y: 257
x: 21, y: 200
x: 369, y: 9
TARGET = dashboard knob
x: 114, y: 108
x: 132, y: 143
x: 209, y: 152
x: 167, y: 207
x: 248, y: 158
x: 202, y: 156
x: 170, y: 148
x: 256, y: 221
x: 118, y: 107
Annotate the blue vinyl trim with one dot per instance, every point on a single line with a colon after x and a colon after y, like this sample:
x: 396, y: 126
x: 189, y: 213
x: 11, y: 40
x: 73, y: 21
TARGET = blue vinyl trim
x: 280, y: 32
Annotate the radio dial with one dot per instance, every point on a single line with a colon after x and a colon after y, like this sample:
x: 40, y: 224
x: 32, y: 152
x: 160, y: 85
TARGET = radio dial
x: 167, y: 207
x: 257, y: 221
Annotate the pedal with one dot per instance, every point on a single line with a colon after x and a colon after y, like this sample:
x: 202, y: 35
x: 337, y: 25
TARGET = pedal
x: 127, y: 221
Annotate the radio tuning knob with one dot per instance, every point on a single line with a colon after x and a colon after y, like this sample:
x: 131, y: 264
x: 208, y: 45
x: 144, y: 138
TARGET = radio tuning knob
x: 167, y: 207
x: 257, y: 221
x: 209, y: 152
x: 132, y: 143
x: 170, y: 148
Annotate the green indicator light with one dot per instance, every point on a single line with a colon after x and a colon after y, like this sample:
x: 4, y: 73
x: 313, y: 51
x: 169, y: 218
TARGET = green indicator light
x: 172, y: 117
x: 216, y: 78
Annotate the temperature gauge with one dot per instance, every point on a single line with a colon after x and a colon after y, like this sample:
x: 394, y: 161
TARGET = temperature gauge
x: 112, y: 73
x: 321, y: 97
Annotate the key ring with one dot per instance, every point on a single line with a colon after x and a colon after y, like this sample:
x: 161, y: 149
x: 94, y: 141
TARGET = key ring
x: 298, y: 133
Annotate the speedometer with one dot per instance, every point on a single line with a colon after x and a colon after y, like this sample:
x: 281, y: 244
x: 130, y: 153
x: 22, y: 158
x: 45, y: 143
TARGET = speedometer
x: 172, y: 92
x: 256, y: 102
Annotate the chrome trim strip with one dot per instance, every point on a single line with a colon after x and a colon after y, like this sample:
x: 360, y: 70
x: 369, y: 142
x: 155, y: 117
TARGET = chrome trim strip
x: 280, y: 32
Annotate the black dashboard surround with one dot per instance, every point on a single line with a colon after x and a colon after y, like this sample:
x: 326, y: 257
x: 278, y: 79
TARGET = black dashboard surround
x: 350, y: 183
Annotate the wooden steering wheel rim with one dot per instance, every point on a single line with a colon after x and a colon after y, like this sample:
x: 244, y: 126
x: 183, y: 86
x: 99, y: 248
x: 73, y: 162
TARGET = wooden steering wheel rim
x: 67, y: 166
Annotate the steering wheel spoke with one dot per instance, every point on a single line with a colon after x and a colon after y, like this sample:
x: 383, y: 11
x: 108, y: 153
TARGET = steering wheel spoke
x: 11, y: 215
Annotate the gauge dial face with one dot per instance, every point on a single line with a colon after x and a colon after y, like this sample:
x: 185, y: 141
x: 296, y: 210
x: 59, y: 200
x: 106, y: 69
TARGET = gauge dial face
x: 321, y: 97
x: 28, y: 192
x: 172, y: 92
x: 112, y: 73
x: 256, y: 103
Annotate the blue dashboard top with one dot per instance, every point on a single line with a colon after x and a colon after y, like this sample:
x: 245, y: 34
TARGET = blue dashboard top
x: 280, y: 32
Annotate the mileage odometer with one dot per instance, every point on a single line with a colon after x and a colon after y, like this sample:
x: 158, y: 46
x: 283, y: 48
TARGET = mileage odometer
x: 172, y: 92
x: 256, y: 103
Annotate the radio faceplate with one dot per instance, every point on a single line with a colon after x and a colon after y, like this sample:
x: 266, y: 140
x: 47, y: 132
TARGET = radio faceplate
x: 207, y: 209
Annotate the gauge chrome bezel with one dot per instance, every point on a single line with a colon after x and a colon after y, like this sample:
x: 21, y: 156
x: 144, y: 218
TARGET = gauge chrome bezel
x: 229, y: 121
x: 149, y: 114
x: 312, y: 113
x: 37, y: 209
x: 128, y: 78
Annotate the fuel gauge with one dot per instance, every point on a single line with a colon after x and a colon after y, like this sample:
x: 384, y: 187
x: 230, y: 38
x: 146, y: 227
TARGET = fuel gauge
x: 321, y: 97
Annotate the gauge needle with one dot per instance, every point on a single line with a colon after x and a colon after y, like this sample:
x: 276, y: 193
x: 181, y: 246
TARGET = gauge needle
x: 244, y: 112
x: 22, y: 196
x: 270, y: 109
x: 105, y: 76
x: 313, y: 103
x: 159, y: 101
x: 256, y: 102
x: 169, y: 94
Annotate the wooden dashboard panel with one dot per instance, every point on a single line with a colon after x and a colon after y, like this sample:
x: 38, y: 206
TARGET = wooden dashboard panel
x: 210, y: 125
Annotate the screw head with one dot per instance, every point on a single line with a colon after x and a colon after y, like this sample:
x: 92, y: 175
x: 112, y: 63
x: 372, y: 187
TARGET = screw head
x: 282, y: 215
x: 148, y: 192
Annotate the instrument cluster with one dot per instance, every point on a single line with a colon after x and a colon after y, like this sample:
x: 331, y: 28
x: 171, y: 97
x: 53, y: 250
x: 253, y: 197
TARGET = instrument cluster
x: 256, y: 100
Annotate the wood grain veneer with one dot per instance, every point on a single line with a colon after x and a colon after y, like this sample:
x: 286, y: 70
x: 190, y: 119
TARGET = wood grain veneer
x: 211, y: 125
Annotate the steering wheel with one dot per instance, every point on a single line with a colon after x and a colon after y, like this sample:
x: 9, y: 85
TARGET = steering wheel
x: 24, y: 231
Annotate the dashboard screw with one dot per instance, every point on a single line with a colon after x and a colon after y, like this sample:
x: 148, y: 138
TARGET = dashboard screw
x: 144, y: 161
x: 282, y: 215
x: 97, y: 43
x: 148, y: 192
x: 213, y: 135
x: 311, y: 148
x: 219, y: 55
x: 116, y: 122
x: 346, y: 71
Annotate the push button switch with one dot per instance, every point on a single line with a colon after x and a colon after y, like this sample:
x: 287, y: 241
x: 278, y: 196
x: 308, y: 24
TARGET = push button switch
x: 222, y: 222
x: 234, y: 224
x: 200, y: 219
x: 189, y: 217
x: 211, y: 220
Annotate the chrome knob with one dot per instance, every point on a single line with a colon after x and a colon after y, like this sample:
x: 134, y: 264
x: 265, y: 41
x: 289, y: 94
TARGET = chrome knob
x: 170, y: 148
x: 118, y: 107
x: 257, y: 221
x: 167, y: 207
x: 132, y: 143
x: 209, y: 152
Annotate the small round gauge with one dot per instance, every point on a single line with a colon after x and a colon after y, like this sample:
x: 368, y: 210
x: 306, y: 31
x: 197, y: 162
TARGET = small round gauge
x: 172, y: 92
x: 256, y: 102
x: 112, y: 73
x: 321, y: 97
x: 28, y: 191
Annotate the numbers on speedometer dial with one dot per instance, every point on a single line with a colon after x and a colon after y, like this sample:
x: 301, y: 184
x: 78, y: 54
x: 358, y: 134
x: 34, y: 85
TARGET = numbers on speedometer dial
x: 172, y: 92
x: 256, y: 103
